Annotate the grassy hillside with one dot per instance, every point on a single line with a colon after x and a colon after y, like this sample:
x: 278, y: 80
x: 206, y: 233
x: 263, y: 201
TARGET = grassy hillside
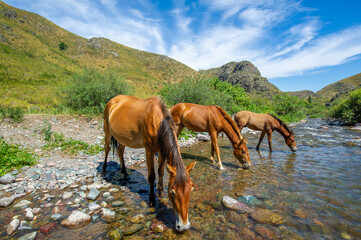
x: 340, y: 89
x: 33, y: 67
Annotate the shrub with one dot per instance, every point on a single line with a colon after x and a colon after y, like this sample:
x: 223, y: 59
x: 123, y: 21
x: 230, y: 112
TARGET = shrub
x: 63, y: 46
x: 349, y: 109
x: 13, y: 157
x: 16, y: 114
x: 289, y: 108
x: 89, y: 91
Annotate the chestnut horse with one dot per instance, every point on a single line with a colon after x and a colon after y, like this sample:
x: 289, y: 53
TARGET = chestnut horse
x: 211, y: 119
x: 136, y: 123
x: 266, y: 123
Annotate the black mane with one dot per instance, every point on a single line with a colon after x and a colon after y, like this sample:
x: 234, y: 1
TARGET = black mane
x: 282, y: 123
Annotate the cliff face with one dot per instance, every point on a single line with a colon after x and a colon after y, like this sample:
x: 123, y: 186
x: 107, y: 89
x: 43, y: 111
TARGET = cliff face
x: 244, y: 74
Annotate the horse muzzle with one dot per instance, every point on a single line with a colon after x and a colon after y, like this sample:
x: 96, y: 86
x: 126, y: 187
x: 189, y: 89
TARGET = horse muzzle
x: 246, y: 165
x: 180, y: 227
x: 294, y: 148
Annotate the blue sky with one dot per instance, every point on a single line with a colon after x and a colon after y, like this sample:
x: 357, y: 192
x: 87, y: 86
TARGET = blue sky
x: 297, y: 45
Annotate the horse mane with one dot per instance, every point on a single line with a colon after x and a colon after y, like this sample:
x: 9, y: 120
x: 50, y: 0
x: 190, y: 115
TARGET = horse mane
x: 168, y: 145
x: 282, y: 123
x: 230, y: 121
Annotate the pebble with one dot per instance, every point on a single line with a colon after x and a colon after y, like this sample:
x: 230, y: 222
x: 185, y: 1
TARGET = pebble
x: 108, y: 215
x: 137, y: 219
x: 76, y: 219
x: 47, y: 228
x: 158, y: 227
x: 93, y: 206
x: 266, y: 216
x: 113, y: 190
x: 56, y: 216
x: 235, y: 205
x: 106, y: 194
x: 29, y: 214
x: 13, y: 225
x: 7, y: 179
x: 22, y: 203
x: 67, y: 195
x: 93, y: 194
x: 115, y: 234
x: 117, y: 203
x: 29, y: 236
x: 6, y: 201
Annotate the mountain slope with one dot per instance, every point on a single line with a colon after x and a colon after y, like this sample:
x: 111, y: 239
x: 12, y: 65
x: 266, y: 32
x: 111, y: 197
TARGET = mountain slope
x: 33, y: 68
x: 339, y: 89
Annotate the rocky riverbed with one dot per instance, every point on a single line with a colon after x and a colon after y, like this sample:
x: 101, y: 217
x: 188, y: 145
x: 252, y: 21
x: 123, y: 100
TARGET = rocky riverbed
x: 64, y: 192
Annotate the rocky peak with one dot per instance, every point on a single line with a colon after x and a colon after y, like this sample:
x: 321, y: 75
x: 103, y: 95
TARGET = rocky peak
x: 244, y: 74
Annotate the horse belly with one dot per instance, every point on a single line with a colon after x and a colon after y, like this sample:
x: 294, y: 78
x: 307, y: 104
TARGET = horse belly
x: 131, y: 140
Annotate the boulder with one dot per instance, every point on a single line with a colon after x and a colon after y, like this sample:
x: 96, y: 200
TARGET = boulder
x: 7, y: 178
x: 266, y: 216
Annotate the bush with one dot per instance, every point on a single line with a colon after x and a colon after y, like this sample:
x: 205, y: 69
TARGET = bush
x: 89, y: 91
x: 16, y: 114
x: 289, y: 108
x: 63, y: 46
x: 203, y: 91
x: 349, y: 109
x: 13, y: 157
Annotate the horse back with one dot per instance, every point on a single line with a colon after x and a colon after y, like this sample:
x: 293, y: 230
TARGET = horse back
x: 133, y: 122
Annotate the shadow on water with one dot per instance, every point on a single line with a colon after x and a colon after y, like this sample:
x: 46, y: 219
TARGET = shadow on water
x: 208, y: 161
x: 138, y: 184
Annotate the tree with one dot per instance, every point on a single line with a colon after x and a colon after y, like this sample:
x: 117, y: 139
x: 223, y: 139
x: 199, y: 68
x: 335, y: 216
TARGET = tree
x: 63, y: 46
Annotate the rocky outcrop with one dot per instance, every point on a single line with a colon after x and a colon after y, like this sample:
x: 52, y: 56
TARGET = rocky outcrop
x: 244, y: 74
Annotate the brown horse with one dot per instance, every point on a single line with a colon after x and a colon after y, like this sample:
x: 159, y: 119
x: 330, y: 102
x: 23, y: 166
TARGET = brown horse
x: 266, y: 123
x: 136, y: 123
x: 211, y: 119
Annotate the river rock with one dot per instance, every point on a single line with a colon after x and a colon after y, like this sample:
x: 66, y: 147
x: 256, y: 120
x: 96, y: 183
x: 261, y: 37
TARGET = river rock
x: 250, y: 200
x: 67, y: 195
x: 76, y: 219
x: 158, y: 227
x: 6, y: 201
x: 22, y: 203
x: 117, y: 203
x: 235, y: 205
x: 115, y: 234
x: 132, y: 229
x: 47, y: 228
x: 137, y: 219
x: 266, y: 216
x: 13, y: 225
x: 7, y: 179
x: 268, y: 232
x: 29, y: 214
x: 56, y: 216
x: 108, y: 215
x: 93, y: 206
x: 93, y: 194
x: 203, y: 138
x: 29, y: 236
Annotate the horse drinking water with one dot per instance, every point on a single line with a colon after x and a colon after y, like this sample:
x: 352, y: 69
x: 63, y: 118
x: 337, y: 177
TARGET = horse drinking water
x: 266, y: 123
x: 211, y: 119
x: 136, y: 123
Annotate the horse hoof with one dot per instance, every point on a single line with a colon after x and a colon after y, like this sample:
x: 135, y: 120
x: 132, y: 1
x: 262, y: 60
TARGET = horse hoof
x: 221, y: 168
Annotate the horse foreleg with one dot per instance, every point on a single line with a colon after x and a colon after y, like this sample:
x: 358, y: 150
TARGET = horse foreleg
x: 269, y: 135
x: 121, y: 149
x: 151, y: 176
x: 216, y: 148
x: 260, y: 140
x: 160, y: 175
x: 178, y: 128
x: 106, y: 149
x: 212, y: 153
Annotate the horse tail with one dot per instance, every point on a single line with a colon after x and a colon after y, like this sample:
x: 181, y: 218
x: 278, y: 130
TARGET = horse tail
x: 230, y: 121
x: 115, y: 145
x: 282, y: 123
x: 168, y: 145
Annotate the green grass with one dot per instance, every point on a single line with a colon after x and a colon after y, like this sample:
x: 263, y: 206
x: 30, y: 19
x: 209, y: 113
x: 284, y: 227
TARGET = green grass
x: 13, y: 157
x: 16, y: 114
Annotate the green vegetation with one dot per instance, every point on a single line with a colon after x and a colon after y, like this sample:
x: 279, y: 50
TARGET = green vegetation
x: 13, y: 157
x: 349, y: 109
x: 16, y: 114
x: 63, y: 46
x: 90, y: 91
x: 210, y: 91
x: 68, y: 145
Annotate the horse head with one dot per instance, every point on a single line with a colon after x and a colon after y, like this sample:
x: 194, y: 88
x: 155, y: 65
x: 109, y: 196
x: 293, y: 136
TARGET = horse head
x: 179, y: 195
x: 290, y: 141
x: 241, y: 153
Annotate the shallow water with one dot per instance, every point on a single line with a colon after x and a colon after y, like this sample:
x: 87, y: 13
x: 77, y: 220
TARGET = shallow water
x: 316, y: 191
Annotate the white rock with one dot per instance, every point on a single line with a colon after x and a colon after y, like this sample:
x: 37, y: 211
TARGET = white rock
x: 76, y: 219
x: 29, y: 214
x: 108, y: 215
x: 22, y: 203
x: 67, y: 195
x: 13, y: 225
x: 93, y: 206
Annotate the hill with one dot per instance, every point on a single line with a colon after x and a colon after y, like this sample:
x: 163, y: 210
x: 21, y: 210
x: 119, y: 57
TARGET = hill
x: 301, y: 94
x: 244, y: 74
x: 33, y: 67
x: 339, y: 90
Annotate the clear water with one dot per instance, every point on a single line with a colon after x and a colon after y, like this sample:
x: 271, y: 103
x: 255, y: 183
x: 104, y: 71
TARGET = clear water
x: 316, y: 190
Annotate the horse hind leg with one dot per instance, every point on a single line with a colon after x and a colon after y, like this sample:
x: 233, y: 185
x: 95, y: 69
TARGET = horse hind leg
x: 216, y: 148
x: 151, y: 176
x: 107, y: 140
x: 160, y: 175
x: 269, y: 135
x: 121, y: 149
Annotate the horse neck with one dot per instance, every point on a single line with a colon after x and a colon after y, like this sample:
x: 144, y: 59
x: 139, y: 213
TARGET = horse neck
x: 282, y: 130
x: 231, y: 134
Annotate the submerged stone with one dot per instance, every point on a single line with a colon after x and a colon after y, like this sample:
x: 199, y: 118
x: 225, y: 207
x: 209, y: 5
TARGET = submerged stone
x: 13, y: 225
x: 76, y: 219
x: 268, y: 232
x: 93, y: 194
x: 250, y: 200
x: 132, y: 229
x: 29, y: 236
x: 235, y: 205
x: 115, y: 234
x: 266, y: 216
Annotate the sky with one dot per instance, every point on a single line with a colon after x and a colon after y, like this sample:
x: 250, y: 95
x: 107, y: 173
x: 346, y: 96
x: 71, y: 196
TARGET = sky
x: 297, y: 45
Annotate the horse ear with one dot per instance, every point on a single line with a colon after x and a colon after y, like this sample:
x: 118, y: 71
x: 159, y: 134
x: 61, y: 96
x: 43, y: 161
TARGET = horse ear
x: 172, y: 171
x: 191, y: 166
